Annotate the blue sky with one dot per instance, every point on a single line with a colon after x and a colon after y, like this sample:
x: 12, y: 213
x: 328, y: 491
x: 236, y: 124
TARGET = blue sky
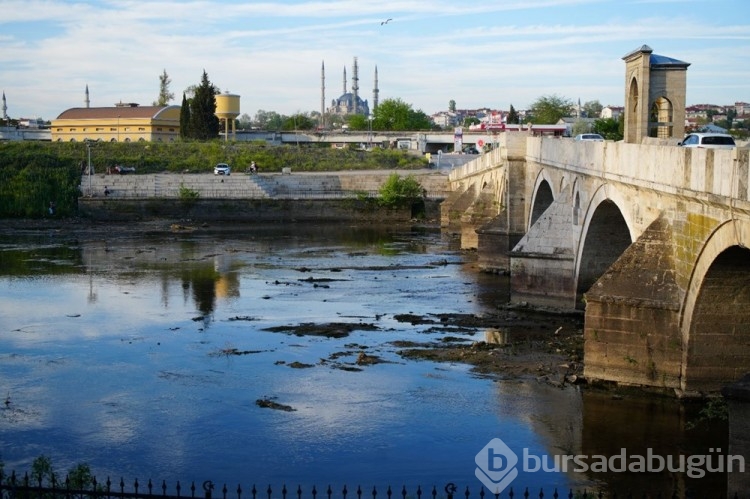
x: 479, y: 53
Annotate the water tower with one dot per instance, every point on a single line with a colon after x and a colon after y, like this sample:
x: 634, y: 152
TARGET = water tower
x: 227, y: 109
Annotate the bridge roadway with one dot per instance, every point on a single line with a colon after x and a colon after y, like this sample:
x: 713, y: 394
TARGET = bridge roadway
x: 651, y: 240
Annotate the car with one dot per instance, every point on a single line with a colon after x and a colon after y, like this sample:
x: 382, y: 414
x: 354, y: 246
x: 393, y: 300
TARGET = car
x: 708, y: 141
x: 123, y: 170
x: 471, y: 150
x: 222, y: 169
x: 595, y: 137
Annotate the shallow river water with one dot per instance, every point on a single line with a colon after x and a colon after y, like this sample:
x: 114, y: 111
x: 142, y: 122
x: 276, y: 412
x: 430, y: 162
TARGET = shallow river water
x: 145, y: 357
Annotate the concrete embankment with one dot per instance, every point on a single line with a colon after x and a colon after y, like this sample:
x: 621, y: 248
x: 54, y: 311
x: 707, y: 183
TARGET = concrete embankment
x: 329, y: 196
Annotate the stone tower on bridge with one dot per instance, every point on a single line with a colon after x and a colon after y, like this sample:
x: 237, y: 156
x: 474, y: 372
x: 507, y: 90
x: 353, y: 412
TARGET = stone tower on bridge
x: 655, y: 88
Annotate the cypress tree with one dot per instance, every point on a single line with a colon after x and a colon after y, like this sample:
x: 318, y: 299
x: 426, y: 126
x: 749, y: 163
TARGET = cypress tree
x: 204, y: 124
x: 184, y: 118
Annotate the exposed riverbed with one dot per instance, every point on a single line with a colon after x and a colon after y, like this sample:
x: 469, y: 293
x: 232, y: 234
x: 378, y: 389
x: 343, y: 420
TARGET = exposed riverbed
x: 295, y: 354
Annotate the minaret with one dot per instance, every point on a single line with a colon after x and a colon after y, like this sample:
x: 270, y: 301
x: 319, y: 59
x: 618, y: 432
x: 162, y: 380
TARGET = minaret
x: 88, y: 102
x: 375, y: 92
x: 5, y: 107
x: 355, y: 87
x: 322, y: 91
x: 344, y: 92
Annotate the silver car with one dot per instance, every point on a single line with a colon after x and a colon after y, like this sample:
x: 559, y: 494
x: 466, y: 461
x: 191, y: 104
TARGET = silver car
x: 222, y: 169
x: 708, y: 141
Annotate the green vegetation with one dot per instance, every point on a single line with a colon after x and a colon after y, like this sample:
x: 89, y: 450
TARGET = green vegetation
x: 33, y: 174
x: 549, y: 109
x: 400, y: 191
x: 43, y: 475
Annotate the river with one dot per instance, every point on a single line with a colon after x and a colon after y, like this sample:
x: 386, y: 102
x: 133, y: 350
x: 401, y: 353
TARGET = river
x: 179, y: 356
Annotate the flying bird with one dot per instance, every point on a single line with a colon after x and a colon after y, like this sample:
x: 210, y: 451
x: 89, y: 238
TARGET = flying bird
x: 386, y: 21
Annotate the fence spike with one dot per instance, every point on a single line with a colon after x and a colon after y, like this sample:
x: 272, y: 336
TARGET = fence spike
x: 467, y: 493
x: 510, y: 493
x: 178, y: 488
x: 526, y: 493
x: 419, y: 492
x: 388, y: 492
x: 403, y: 492
x: 254, y: 491
x: 374, y: 493
x: 122, y: 485
x: 555, y: 496
x: 329, y: 492
x: 269, y: 491
x: 299, y: 492
x: 192, y: 489
x: 224, y: 491
x: 314, y: 492
x: 283, y: 491
x: 344, y: 492
x: 359, y: 492
x: 481, y: 493
x: 434, y: 492
x: 164, y: 487
x: 541, y: 493
x: 150, y: 486
x: 239, y: 491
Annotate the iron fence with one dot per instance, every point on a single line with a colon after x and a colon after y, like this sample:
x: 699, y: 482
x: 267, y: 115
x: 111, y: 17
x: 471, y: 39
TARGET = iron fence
x: 12, y: 487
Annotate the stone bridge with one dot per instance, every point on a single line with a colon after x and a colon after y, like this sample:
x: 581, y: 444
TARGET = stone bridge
x: 650, y: 239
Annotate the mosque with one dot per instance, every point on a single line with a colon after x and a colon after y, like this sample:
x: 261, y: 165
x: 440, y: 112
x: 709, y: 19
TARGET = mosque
x: 349, y: 102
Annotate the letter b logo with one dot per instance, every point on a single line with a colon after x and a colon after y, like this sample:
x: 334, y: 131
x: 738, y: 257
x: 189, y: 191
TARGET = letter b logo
x: 496, y: 466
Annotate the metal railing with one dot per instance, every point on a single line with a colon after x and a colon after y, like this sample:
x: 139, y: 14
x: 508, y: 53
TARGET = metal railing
x: 12, y: 487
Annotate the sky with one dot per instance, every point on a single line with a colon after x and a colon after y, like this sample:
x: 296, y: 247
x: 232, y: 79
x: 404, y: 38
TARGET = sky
x: 480, y: 54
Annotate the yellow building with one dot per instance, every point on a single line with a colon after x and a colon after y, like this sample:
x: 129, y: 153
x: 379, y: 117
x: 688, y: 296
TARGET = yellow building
x: 121, y: 123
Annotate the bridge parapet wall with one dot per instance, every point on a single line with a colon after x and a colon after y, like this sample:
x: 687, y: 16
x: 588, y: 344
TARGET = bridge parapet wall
x: 698, y: 173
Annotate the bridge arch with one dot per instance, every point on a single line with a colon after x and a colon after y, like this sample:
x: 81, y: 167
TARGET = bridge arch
x: 605, y: 235
x: 715, y: 318
x: 543, y: 197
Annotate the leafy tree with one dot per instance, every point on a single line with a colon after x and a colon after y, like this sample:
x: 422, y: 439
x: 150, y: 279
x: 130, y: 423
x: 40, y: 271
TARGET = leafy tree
x: 609, y: 128
x: 275, y: 121
x: 165, y: 96
x: 452, y: 106
x: 204, y: 124
x: 185, y: 118
x: 470, y: 120
x: 358, y: 122
x: 395, y: 114
x: 592, y: 109
x: 400, y: 191
x: 244, y: 121
x: 549, y: 109
x: 298, y: 121
x: 512, y: 118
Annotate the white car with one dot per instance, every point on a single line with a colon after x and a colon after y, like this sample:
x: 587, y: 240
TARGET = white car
x: 708, y: 141
x: 595, y: 137
x: 222, y: 169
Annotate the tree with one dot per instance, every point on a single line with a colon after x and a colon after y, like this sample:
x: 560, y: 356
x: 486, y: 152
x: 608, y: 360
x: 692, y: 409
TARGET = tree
x: 452, y: 106
x: 358, y: 122
x: 204, y: 124
x: 470, y: 120
x: 244, y: 121
x: 609, y: 128
x: 592, y: 109
x: 185, y: 118
x: 512, y: 118
x: 398, y: 191
x: 395, y: 114
x: 298, y: 121
x: 165, y: 96
x: 549, y: 109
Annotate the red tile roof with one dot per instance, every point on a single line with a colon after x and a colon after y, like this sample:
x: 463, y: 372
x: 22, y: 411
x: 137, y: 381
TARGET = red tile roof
x: 94, y: 113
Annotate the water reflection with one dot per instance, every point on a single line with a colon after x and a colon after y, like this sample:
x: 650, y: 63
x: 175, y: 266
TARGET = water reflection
x: 121, y: 368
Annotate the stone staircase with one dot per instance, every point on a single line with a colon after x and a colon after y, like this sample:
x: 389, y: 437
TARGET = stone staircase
x: 322, y: 185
